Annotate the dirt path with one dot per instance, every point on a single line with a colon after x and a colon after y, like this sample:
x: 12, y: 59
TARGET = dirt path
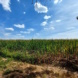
x: 1, y: 75
x: 24, y: 70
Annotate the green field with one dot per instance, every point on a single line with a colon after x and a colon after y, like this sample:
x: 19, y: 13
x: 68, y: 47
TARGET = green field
x: 50, y: 53
x: 35, y: 51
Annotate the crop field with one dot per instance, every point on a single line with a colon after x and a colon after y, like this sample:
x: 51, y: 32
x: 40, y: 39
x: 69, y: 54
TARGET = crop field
x: 29, y: 50
x: 62, y: 53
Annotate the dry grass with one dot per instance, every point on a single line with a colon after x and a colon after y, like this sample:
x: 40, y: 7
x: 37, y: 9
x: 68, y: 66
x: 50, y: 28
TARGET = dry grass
x: 24, y: 70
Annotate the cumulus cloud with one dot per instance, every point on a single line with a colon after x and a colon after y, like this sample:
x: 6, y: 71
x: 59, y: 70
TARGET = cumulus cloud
x: 49, y: 28
x: 57, y: 1
x: 24, y: 12
x: 18, y: 0
x: 25, y: 32
x: 19, y: 36
x: 10, y: 29
x: 7, y: 34
x: 5, y: 4
x: 30, y: 30
x: 70, y: 28
x: 44, y: 23
x: 47, y: 17
x: 40, y: 8
x: 58, y: 20
x: 19, y: 25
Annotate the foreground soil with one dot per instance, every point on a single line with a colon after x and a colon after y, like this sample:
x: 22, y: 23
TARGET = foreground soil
x: 24, y: 70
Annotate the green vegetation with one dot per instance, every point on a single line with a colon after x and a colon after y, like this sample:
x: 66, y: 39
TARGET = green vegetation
x: 38, y: 51
x: 15, y: 56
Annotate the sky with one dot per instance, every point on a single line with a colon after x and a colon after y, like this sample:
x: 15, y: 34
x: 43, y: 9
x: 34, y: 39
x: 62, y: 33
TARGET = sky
x: 46, y: 19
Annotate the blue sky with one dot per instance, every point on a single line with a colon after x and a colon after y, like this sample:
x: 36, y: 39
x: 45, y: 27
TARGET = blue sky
x: 46, y: 19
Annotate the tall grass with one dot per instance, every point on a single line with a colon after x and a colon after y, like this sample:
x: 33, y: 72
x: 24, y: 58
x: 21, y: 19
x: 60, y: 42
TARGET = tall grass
x: 34, y: 50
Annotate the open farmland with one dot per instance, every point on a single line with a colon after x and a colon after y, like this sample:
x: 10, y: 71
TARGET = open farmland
x: 45, y: 53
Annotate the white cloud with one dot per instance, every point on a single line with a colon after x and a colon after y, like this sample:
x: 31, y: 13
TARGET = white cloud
x: 25, y: 32
x: 19, y: 36
x: 28, y: 31
x: 18, y: 0
x: 37, y: 34
x: 5, y: 4
x: 58, y: 20
x: 31, y: 29
x: 44, y: 23
x: 60, y: 1
x: 49, y: 28
x: 7, y: 34
x: 40, y: 8
x: 69, y: 28
x: 51, y: 22
x: 11, y: 29
x: 47, y: 17
x: 57, y: 1
x: 24, y: 12
x: 19, y: 25
x: 72, y: 34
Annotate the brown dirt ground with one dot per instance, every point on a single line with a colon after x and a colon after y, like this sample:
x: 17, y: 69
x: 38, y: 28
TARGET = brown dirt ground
x: 24, y: 70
